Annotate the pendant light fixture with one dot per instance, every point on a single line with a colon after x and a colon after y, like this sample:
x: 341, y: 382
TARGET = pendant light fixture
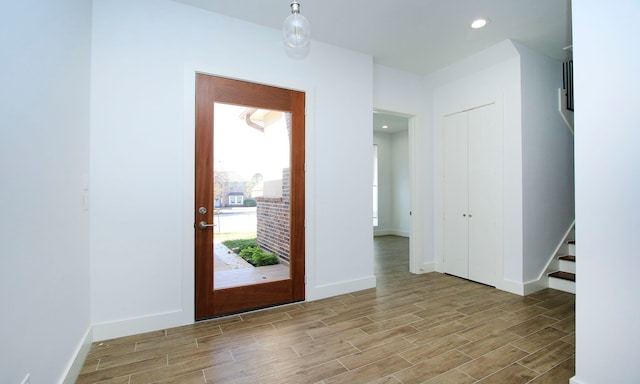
x: 296, y: 31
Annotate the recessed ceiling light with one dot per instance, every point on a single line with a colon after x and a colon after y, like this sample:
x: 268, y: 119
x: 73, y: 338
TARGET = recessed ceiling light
x: 385, y: 126
x: 479, y: 23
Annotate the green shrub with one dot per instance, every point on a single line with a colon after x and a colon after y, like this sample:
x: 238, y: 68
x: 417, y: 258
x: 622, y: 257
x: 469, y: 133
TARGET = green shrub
x: 258, y: 257
x: 262, y: 258
x: 247, y: 253
x: 240, y: 244
x: 250, y: 202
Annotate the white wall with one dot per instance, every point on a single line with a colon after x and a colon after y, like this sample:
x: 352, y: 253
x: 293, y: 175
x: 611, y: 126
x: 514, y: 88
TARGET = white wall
x: 547, y: 162
x: 607, y: 161
x: 400, y: 181
x: 144, y: 57
x: 385, y: 187
x: 393, y: 183
x: 44, y: 159
x: 408, y: 94
x: 489, y: 76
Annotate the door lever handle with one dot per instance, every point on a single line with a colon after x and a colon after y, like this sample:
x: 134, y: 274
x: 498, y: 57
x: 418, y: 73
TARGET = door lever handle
x: 204, y: 225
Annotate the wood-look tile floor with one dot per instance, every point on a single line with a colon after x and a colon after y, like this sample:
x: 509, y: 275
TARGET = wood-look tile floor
x: 429, y: 328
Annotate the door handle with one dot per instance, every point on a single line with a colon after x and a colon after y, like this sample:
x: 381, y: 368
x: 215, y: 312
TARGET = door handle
x: 204, y: 225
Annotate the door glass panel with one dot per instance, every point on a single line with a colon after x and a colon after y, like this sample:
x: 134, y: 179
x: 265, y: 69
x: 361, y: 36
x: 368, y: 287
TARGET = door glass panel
x: 251, y: 162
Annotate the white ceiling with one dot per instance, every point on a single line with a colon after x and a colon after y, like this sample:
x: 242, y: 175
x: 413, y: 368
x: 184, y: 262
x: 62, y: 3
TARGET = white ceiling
x: 419, y: 36
x: 394, y: 123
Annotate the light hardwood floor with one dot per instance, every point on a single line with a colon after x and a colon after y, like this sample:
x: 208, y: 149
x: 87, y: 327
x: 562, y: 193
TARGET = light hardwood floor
x: 429, y: 328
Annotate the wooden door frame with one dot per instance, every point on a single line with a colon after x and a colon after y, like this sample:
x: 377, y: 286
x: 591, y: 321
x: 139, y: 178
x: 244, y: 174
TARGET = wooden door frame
x: 278, y: 99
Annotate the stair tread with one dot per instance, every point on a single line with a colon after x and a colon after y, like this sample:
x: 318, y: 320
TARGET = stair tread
x: 568, y: 258
x: 564, y: 275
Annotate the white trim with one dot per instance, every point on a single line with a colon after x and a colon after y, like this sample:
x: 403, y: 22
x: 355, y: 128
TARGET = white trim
x: 547, y: 269
x: 470, y: 109
x: 536, y: 285
x: 567, y: 115
x: 427, y: 267
x: 75, y: 365
x: 416, y: 221
x: 391, y: 232
x: 188, y: 199
x: 134, y: 326
x: 341, y: 288
x: 552, y: 265
x: 382, y: 232
x: 510, y: 286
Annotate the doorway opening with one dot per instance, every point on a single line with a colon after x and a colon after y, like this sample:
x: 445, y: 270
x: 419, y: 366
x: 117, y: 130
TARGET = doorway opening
x: 392, y: 167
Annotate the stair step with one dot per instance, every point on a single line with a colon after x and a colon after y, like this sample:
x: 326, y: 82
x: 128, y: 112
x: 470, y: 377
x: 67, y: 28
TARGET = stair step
x: 563, y: 275
x: 567, y: 263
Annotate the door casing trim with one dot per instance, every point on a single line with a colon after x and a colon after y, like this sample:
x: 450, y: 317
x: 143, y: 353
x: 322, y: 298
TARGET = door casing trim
x: 188, y: 180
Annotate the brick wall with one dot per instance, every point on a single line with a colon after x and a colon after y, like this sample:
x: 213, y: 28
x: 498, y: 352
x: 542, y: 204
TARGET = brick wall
x: 273, y: 221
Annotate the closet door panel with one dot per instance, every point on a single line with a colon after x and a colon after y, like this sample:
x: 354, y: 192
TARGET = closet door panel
x: 485, y: 193
x: 456, y: 245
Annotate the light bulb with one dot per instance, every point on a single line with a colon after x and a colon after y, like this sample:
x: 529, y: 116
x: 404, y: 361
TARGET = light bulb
x: 296, y: 30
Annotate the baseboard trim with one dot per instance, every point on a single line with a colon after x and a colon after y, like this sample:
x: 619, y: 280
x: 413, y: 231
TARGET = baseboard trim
x: 536, y: 285
x: 127, y: 327
x: 390, y: 232
x: 511, y: 287
x: 335, y: 289
x: 138, y: 325
x: 427, y: 267
x: 80, y: 355
x: 523, y: 289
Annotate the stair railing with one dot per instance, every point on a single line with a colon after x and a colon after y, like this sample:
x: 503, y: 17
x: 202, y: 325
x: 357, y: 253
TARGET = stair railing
x: 567, y: 83
x: 565, y: 95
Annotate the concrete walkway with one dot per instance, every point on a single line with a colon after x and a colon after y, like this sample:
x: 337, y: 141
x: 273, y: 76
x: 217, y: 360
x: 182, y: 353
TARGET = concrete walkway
x: 225, y: 260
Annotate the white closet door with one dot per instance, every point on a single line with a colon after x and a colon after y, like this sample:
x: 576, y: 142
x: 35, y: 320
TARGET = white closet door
x: 456, y: 245
x: 485, y: 193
